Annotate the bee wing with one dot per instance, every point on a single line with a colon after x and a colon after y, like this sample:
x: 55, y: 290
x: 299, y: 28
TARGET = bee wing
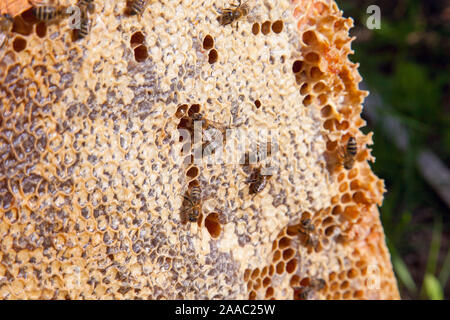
x: 2, y: 39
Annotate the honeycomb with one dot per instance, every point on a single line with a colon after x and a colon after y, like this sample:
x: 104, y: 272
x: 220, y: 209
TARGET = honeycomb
x: 93, y: 169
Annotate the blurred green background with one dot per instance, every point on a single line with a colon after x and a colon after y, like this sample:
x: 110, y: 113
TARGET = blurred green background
x: 406, y: 63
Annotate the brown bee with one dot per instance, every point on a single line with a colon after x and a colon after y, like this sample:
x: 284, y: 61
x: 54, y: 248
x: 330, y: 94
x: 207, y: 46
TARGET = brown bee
x: 49, y: 13
x: 306, y: 293
x: 218, y: 132
x: 262, y: 152
x: 229, y: 15
x: 257, y: 181
x: 6, y: 23
x: 306, y: 228
x: 137, y: 7
x: 195, y: 203
x: 86, y: 4
x: 306, y: 225
x: 84, y: 26
x: 348, y: 158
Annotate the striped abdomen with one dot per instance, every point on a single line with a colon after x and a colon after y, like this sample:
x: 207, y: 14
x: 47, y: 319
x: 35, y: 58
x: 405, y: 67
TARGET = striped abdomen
x: 351, y: 146
x: 46, y: 13
x: 196, y: 194
x: 84, y: 27
x: 137, y: 6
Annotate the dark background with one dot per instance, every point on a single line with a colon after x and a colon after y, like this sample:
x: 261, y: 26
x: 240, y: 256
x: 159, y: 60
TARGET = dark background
x: 406, y: 64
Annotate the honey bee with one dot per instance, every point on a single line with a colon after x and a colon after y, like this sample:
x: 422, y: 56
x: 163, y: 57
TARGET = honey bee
x: 49, y: 13
x: 6, y: 23
x: 306, y: 228
x: 306, y: 293
x: 307, y: 225
x: 262, y: 152
x: 195, y: 203
x: 137, y: 7
x: 229, y: 15
x: 348, y: 158
x: 88, y: 4
x: 258, y: 181
x: 218, y: 132
x: 83, y: 31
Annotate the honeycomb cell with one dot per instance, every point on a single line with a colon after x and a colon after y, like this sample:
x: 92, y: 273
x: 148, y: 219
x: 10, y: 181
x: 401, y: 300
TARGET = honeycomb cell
x: 208, y: 42
x: 257, y: 103
x: 137, y: 38
x: 277, y: 26
x: 269, y: 292
x: 213, y: 56
x: 265, y: 27
x: 19, y: 44
x: 257, y: 284
x: 284, y: 243
x: 319, y: 87
x: 322, y: 99
x: 271, y: 270
x: 312, y: 58
x: 195, y: 108
x: 358, y: 294
x: 252, y: 295
x: 329, y: 124
x: 345, y: 198
x: 247, y: 273
x: 355, y: 184
x: 297, y: 66
x: 276, y: 256
x: 359, y: 197
x: 326, y: 111
x: 266, y: 282
x: 307, y: 100
x: 291, y: 266
x: 255, y: 274
x: 304, y: 89
x: 330, y: 231
x: 280, y: 267
x: 41, y: 29
x: 213, y: 226
x: 305, y: 282
x: 309, y: 37
x: 140, y: 53
x: 255, y: 28
x: 181, y: 111
x: 264, y: 271
x: 192, y: 172
x: 288, y: 253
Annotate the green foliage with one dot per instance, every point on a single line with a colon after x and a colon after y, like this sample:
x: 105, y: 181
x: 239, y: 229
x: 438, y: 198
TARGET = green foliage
x: 432, y: 287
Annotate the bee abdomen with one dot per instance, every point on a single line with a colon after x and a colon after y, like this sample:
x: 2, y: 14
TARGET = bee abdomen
x: 196, y: 193
x: 84, y: 28
x: 137, y: 7
x: 46, y: 13
x: 351, y: 146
